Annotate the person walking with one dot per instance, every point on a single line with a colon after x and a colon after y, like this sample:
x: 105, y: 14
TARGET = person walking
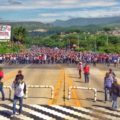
x: 86, y: 70
x: 1, y: 84
x: 18, y: 87
x: 19, y: 75
x: 80, y: 66
x: 112, y: 74
x: 115, y: 94
x: 108, y: 80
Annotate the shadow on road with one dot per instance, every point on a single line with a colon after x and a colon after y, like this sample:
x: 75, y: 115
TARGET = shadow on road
x: 38, y: 97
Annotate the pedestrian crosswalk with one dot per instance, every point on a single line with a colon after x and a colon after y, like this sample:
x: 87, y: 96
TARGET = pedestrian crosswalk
x: 55, y: 112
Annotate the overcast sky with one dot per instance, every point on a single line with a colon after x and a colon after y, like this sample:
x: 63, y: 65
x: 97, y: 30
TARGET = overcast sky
x: 51, y: 10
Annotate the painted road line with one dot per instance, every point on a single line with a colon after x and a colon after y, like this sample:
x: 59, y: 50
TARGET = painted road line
x: 9, y: 107
x: 114, y: 114
x: 6, y: 114
x: 12, y: 74
x: 72, y: 117
x: 58, y: 86
x: 62, y: 116
x: 74, y: 92
x: 76, y: 114
x: 23, y: 117
x: 92, y: 113
x: 33, y: 114
x: 42, y: 111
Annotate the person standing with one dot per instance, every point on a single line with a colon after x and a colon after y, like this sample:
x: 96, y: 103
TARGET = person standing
x: 19, y: 75
x: 112, y: 74
x: 115, y: 94
x: 1, y: 84
x: 18, y: 87
x: 80, y: 67
x: 108, y: 80
x: 86, y: 70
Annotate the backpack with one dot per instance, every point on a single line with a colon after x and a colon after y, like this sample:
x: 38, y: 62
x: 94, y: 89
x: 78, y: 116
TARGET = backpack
x: 25, y: 88
x: 118, y: 90
x: 1, y: 85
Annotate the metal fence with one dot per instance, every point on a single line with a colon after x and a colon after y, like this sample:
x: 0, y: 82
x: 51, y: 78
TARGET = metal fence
x: 83, y: 88
x: 40, y: 86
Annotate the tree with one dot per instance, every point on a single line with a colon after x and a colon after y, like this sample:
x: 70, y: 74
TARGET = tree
x: 19, y: 33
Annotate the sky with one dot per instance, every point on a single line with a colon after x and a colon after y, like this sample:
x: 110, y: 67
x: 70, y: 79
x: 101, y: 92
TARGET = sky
x: 50, y: 10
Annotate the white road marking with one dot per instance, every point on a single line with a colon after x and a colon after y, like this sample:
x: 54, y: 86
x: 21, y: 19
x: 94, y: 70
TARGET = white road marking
x: 38, y: 114
x: 73, y: 112
x: 53, y: 112
x: 108, y: 111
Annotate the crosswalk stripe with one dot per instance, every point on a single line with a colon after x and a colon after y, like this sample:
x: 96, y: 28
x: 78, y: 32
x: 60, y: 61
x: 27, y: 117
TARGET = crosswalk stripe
x: 53, y: 112
x: 38, y: 114
x: 6, y: 114
x: 87, y: 112
x: 23, y: 117
x: 96, y: 113
x: 104, y: 113
x: 24, y: 113
x: 74, y: 113
x: 42, y: 111
x: 64, y: 112
x: 114, y: 114
x: 83, y: 111
x: 3, y: 118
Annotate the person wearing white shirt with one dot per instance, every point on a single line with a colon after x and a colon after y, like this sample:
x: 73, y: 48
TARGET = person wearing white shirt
x: 18, y: 87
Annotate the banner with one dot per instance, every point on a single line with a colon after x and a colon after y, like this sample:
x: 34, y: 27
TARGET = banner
x: 5, y: 32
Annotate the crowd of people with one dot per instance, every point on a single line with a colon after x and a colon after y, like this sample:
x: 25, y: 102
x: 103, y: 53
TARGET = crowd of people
x: 45, y: 55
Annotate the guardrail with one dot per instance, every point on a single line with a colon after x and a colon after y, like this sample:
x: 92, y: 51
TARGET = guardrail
x: 40, y: 86
x: 83, y: 88
x: 10, y: 90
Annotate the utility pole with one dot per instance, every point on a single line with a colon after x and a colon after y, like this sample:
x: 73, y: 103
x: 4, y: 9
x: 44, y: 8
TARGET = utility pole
x: 78, y: 41
x: 107, y: 39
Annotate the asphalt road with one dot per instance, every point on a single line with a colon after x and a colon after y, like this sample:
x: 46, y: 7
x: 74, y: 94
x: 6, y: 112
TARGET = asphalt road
x: 61, y: 77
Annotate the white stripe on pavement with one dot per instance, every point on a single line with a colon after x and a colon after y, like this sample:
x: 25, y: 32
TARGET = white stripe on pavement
x: 108, y: 111
x: 3, y: 118
x: 38, y: 114
x: 96, y: 113
x: 53, y: 112
x: 23, y: 117
x: 73, y: 112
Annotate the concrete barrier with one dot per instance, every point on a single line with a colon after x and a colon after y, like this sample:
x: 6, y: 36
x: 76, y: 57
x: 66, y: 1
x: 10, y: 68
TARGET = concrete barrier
x: 40, y: 86
x: 10, y: 90
x: 83, y: 88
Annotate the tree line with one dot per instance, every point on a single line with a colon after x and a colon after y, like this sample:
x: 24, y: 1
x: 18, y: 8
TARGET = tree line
x: 73, y: 38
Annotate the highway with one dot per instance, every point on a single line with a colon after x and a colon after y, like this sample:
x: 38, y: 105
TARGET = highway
x: 61, y: 77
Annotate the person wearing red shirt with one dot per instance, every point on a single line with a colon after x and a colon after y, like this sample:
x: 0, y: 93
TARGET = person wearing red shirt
x: 1, y: 84
x: 86, y: 70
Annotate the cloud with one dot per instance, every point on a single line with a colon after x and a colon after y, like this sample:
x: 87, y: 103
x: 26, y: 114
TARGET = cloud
x: 14, y: 2
x: 50, y: 10
x: 83, y: 14
x: 34, y: 4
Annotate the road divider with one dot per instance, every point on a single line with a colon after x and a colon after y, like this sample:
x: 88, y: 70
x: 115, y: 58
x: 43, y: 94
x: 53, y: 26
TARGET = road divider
x: 40, y: 86
x: 10, y: 90
x: 83, y: 88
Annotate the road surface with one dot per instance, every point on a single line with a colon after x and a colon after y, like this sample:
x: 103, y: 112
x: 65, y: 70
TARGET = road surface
x: 39, y: 104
